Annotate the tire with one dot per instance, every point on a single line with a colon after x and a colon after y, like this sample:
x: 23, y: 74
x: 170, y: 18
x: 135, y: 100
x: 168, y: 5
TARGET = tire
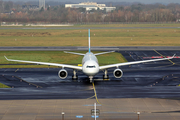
x: 105, y: 78
x: 75, y: 78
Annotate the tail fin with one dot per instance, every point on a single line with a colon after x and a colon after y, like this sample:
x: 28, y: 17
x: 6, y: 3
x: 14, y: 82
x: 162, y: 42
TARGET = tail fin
x: 89, y: 41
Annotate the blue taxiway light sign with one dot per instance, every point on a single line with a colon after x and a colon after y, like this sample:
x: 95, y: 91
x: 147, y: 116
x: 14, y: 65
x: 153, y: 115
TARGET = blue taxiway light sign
x: 94, y: 116
x: 79, y: 116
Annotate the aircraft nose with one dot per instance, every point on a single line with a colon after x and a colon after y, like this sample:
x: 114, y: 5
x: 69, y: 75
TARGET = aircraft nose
x: 91, y: 69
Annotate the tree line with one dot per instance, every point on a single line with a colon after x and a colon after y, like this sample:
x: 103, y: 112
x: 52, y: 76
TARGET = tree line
x: 60, y: 14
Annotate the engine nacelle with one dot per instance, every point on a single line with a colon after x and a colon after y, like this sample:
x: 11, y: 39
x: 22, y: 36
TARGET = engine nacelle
x: 62, y: 73
x: 118, y: 73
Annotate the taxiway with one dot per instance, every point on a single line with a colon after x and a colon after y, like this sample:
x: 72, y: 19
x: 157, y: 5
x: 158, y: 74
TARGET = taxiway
x: 151, y: 88
x: 152, y: 80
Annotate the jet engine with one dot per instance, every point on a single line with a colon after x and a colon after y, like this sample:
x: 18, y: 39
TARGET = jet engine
x: 118, y: 73
x: 62, y: 73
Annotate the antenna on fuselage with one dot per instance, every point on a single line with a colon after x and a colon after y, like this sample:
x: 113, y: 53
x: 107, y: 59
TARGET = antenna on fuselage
x: 89, y: 41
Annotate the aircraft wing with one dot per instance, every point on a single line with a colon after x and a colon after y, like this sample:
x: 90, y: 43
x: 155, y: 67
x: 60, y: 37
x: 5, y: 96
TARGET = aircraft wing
x: 45, y: 63
x: 131, y: 63
x: 84, y: 54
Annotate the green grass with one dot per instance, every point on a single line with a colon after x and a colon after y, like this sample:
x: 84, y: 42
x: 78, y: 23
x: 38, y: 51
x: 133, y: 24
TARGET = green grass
x: 53, y: 57
x: 99, y: 37
x: 3, y: 86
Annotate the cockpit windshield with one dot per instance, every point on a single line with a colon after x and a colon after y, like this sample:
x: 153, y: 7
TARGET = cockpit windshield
x: 91, y: 66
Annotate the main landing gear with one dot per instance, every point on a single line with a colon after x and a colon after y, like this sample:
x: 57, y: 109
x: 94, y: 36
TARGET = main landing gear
x: 105, y: 76
x: 74, y: 77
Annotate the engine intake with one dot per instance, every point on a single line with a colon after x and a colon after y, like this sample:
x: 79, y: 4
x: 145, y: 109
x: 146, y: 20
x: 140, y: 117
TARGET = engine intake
x: 118, y: 73
x: 62, y: 73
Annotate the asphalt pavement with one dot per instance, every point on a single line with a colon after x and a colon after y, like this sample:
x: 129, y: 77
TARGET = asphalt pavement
x: 153, y: 80
x: 98, y: 48
x: 152, y: 89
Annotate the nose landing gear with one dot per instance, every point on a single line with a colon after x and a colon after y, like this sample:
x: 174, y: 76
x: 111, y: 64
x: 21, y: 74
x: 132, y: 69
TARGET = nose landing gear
x: 91, y: 79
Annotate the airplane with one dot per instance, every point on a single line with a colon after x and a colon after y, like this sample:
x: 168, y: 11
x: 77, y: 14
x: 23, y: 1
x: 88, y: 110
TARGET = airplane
x: 90, y: 65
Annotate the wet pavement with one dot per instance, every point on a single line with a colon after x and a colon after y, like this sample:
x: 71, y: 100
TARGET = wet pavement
x: 153, y: 80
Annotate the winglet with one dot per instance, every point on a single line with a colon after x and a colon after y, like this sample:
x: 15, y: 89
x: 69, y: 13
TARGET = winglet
x: 5, y: 57
x: 173, y: 55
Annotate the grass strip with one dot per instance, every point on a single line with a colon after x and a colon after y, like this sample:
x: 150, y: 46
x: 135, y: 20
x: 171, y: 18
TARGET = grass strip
x: 3, y: 86
x: 53, y: 57
x: 99, y: 37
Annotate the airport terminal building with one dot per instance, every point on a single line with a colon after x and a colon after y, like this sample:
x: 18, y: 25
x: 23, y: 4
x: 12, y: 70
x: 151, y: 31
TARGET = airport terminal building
x: 90, y: 6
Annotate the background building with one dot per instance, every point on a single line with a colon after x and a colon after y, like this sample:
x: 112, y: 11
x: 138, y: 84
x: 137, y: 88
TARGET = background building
x: 41, y: 4
x: 30, y: 7
x: 90, y: 6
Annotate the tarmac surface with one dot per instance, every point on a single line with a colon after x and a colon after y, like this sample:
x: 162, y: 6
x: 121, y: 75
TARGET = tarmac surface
x: 152, y: 80
x: 80, y: 109
x: 98, y: 48
x: 151, y: 88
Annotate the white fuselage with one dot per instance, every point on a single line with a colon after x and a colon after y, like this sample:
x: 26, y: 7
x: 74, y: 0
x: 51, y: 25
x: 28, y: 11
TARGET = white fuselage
x: 90, y: 65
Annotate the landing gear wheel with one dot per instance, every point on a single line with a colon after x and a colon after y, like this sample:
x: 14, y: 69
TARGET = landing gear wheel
x: 91, y: 79
x: 106, y: 77
x: 75, y: 77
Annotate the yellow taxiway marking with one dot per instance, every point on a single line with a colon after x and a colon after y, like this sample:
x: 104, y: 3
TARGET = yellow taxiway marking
x: 97, y: 98
x: 164, y: 57
x: 95, y: 94
x: 91, y: 97
x: 17, y: 70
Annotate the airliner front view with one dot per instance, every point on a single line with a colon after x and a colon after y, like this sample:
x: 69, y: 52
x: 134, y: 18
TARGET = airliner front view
x: 90, y: 65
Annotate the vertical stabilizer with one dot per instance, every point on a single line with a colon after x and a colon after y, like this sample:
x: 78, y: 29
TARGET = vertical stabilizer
x: 89, y: 41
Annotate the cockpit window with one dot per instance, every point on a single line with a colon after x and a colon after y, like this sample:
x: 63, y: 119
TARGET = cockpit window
x: 91, y: 66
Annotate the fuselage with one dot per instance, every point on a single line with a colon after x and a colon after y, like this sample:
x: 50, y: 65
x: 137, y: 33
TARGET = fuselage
x: 90, y: 65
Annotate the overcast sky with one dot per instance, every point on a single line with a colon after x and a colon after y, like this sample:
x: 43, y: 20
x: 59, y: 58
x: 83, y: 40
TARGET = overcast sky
x: 142, y: 1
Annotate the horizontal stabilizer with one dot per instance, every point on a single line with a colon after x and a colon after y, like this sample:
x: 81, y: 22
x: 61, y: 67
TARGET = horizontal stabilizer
x: 74, y: 53
x: 104, y: 53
